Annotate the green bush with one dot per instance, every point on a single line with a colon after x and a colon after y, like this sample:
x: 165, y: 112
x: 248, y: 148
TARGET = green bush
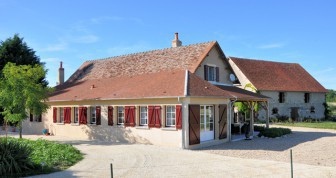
x: 283, y: 118
x: 274, y: 132
x: 14, y: 158
x: 46, y: 156
x: 259, y: 128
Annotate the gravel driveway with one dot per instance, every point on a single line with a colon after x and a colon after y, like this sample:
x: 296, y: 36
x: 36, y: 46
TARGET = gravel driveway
x: 310, y: 146
x: 135, y: 160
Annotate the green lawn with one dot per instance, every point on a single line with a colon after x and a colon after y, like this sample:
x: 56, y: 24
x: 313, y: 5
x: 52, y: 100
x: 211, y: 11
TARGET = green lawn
x: 49, y: 156
x: 320, y: 125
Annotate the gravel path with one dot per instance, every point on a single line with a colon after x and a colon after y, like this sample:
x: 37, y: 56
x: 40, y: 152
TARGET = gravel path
x: 310, y: 146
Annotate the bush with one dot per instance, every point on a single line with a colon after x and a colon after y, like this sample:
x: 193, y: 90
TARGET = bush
x: 283, y: 118
x: 14, y: 158
x: 274, y: 132
x: 45, y: 156
x: 259, y: 128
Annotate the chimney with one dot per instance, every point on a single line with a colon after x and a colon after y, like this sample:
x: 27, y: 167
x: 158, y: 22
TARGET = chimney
x: 176, y: 42
x: 61, y: 74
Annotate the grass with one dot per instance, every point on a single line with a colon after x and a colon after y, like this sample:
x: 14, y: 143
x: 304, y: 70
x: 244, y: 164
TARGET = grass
x: 49, y: 156
x: 319, y: 125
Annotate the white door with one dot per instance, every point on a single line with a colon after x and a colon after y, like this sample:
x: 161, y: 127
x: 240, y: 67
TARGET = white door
x: 207, y: 122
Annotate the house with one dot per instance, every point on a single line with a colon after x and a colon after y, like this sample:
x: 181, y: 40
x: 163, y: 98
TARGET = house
x: 180, y: 96
x: 293, y: 92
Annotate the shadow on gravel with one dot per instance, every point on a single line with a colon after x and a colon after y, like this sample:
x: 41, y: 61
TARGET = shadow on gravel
x: 272, y: 144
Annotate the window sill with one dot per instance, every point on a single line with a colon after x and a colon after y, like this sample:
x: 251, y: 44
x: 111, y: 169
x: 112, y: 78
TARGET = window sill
x: 169, y: 129
x: 92, y: 124
x: 60, y: 123
x: 120, y: 125
x: 142, y: 127
x: 75, y: 124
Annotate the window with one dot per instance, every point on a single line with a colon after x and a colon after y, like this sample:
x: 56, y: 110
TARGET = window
x: 306, y: 97
x: 121, y: 115
x: 275, y: 111
x: 61, y: 112
x: 37, y: 118
x: 170, y: 116
x: 143, y: 115
x: 211, y: 73
x: 93, y: 115
x: 207, y: 118
x: 312, y: 109
x: 281, y: 97
x: 76, y: 114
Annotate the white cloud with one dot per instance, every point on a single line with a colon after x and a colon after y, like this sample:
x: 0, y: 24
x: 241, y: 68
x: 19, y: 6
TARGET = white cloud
x: 85, y: 39
x: 56, y: 47
x: 271, y: 46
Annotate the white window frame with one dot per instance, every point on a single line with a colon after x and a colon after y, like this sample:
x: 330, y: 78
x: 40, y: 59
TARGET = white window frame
x: 121, y: 118
x: 76, y: 115
x: 61, y: 115
x: 171, y: 118
x: 93, y: 115
x: 214, y: 73
x: 145, y: 118
x: 203, y: 117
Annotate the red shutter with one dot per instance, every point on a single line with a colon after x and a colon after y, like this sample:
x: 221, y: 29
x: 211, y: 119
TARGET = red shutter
x: 54, y: 114
x: 151, y: 117
x: 130, y: 116
x: 31, y: 117
x: 98, y: 119
x: 217, y: 74
x: 82, y: 115
x: 178, y: 117
x: 205, y: 72
x: 110, y: 115
x: 157, y: 114
x: 67, y: 115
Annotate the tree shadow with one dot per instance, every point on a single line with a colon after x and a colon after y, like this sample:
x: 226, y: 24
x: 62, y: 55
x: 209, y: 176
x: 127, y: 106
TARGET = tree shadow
x: 272, y: 144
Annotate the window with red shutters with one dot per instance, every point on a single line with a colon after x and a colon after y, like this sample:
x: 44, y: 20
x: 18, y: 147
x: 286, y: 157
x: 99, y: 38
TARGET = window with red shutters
x: 98, y: 119
x: 67, y: 115
x: 82, y: 115
x: 110, y: 115
x: 157, y: 111
x: 178, y: 117
x: 130, y: 116
x: 154, y: 116
x: 54, y: 114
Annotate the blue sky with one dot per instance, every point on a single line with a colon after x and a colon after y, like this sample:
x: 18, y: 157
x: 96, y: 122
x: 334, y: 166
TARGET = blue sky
x: 300, y: 31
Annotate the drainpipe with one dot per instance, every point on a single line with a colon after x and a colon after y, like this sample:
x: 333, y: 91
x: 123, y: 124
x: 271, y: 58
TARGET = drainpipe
x: 230, y: 115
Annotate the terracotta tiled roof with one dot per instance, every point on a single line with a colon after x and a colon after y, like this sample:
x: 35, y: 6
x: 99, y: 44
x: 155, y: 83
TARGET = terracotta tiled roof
x: 162, y: 84
x: 179, y: 58
x: 277, y: 76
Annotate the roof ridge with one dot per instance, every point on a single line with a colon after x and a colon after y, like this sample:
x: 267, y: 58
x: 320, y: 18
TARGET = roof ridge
x: 262, y: 60
x: 149, y: 51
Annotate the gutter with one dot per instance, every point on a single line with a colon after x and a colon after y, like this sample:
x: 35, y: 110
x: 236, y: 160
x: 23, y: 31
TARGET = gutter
x: 184, y: 127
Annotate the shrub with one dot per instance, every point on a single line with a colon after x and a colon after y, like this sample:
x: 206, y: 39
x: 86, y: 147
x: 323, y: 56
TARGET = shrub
x: 259, y: 128
x: 283, y: 118
x: 14, y: 158
x: 274, y: 132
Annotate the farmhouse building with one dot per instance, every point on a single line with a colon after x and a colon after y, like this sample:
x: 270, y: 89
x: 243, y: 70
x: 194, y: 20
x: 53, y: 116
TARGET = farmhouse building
x: 180, y: 96
x: 293, y: 92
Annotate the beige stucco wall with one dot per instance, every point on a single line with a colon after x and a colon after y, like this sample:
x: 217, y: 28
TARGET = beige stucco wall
x: 240, y: 75
x: 121, y: 134
x: 116, y: 133
x: 214, y: 59
x: 295, y: 99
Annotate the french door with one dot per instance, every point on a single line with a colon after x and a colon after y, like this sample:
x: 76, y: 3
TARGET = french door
x: 206, y: 122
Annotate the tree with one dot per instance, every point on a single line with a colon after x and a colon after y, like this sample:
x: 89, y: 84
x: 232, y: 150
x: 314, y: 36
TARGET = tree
x: 21, y: 92
x: 15, y: 50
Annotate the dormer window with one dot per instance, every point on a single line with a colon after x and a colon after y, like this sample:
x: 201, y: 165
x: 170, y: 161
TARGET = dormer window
x: 211, y: 73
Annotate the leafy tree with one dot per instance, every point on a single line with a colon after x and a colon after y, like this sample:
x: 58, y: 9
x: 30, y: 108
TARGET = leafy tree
x: 15, y: 50
x: 21, y: 92
x: 331, y: 96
